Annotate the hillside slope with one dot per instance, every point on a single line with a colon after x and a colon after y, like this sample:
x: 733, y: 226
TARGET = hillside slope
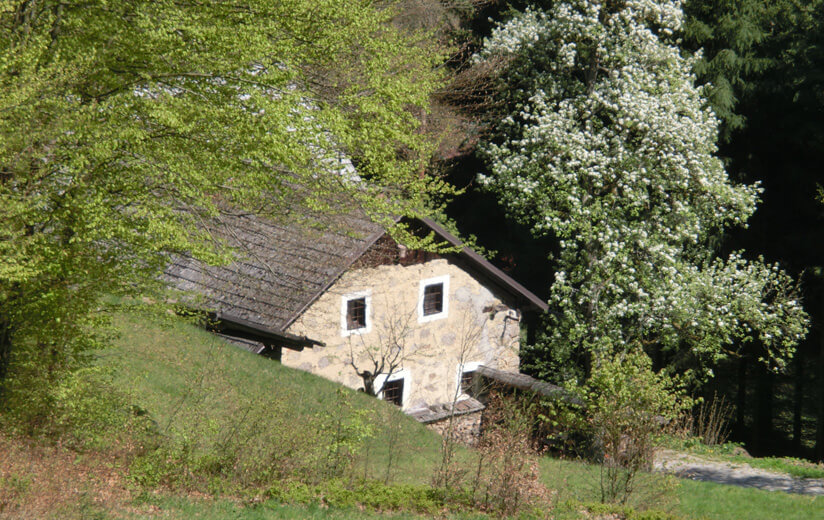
x: 193, y: 381
x: 227, y: 423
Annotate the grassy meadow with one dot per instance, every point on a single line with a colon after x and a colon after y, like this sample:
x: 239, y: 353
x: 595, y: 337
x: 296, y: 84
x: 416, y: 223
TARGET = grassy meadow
x: 231, y: 435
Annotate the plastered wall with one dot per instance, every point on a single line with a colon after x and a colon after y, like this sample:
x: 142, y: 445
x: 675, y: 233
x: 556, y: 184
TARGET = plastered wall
x: 477, y: 327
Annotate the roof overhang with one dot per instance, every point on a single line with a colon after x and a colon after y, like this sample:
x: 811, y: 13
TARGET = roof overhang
x: 234, y: 326
x: 528, y: 383
x: 482, y: 264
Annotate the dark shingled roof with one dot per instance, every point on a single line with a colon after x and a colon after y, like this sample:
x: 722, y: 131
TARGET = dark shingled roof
x: 498, y: 276
x: 280, y: 269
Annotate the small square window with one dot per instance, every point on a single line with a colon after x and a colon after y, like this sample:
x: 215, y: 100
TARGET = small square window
x: 433, y: 299
x: 393, y: 392
x: 356, y: 314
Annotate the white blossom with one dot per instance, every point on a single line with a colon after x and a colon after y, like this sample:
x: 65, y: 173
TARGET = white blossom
x: 612, y: 149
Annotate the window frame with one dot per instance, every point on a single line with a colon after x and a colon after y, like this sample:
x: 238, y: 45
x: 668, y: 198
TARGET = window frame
x: 444, y: 280
x: 366, y: 296
x: 390, y: 382
x: 469, y: 366
x: 405, y: 374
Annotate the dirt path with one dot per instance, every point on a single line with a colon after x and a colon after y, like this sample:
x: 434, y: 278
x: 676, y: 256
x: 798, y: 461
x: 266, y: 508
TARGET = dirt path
x: 697, y: 468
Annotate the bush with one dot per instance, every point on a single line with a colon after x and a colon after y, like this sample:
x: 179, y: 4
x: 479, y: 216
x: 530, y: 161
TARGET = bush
x: 82, y: 410
x: 623, y: 512
x: 628, y: 406
x: 711, y: 423
x: 506, y: 480
x: 372, y: 494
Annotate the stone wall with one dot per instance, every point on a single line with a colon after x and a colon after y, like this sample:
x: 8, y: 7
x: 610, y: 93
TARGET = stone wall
x: 479, y: 326
x: 466, y: 429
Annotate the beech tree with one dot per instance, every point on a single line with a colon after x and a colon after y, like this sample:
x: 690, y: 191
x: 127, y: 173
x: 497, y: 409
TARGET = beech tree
x: 123, y: 124
x: 610, y: 146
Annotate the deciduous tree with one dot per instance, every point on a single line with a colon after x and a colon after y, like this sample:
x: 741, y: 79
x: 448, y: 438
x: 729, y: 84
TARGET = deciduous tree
x: 610, y: 147
x: 123, y: 124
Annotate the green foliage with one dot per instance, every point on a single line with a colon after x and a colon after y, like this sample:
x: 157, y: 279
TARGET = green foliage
x: 255, y: 443
x: 124, y: 124
x: 627, y: 513
x: 506, y: 480
x: 627, y: 407
x: 345, y: 432
x: 793, y: 466
x: 159, y: 361
x: 231, y: 421
x: 365, y: 493
x: 723, y: 502
x: 182, y: 508
x: 83, y: 411
x: 732, y: 452
x: 730, y: 35
x: 13, y: 488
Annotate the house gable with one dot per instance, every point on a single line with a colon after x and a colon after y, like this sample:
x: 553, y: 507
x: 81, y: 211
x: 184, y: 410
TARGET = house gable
x: 478, y: 323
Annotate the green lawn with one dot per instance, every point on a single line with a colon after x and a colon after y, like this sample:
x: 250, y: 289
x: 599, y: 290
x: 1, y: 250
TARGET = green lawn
x: 690, y: 499
x: 730, y: 452
x: 176, y: 508
x: 193, y: 382
x: 719, y: 502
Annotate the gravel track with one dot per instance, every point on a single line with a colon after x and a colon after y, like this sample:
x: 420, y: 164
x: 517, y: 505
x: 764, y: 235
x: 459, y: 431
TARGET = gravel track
x: 690, y: 466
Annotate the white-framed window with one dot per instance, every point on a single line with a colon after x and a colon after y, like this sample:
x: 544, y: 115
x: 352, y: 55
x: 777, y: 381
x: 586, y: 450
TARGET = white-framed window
x: 466, y: 375
x: 356, y: 313
x: 433, y: 299
x: 395, y: 387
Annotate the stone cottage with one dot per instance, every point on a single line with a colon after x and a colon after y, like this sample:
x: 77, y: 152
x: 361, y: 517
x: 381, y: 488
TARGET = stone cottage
x: 345, y: 301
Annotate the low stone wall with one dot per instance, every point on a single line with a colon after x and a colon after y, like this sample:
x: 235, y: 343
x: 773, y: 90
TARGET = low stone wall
x: 466, y: 429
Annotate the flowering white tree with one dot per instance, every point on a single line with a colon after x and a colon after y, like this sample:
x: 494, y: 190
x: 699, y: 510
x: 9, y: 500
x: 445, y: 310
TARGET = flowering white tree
x: 610, y: 147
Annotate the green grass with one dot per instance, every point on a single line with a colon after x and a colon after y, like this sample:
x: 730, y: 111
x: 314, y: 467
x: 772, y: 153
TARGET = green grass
x: 719, y: 502
x: 181, y: 508
x: 689, y: 499
x: 792, y: 466
x: 184, y: 376
x: 189, y: 379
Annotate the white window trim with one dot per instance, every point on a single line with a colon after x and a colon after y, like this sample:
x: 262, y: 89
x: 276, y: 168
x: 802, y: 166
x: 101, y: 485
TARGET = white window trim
x: 344, y: 331
x: 445, y: 312
x: 469, y: 366
x: 404, y: 374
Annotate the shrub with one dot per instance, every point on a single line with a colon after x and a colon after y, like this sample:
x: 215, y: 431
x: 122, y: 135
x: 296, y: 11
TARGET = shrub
x: 507, y: 479
x: 711, y: 422
x: 628, y: 406
x: 82, y: 410
x: 372, y: 494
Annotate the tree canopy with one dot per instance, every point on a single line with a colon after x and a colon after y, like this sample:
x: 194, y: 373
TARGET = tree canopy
x: 610, y: 147
x: 123, y: 124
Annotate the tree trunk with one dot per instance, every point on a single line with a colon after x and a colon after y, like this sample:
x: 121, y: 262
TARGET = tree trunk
x: 5, y: 350
x: 741, y: 397
x: 798, y: 401
x: 762, y: 433
x: 819, y: 439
